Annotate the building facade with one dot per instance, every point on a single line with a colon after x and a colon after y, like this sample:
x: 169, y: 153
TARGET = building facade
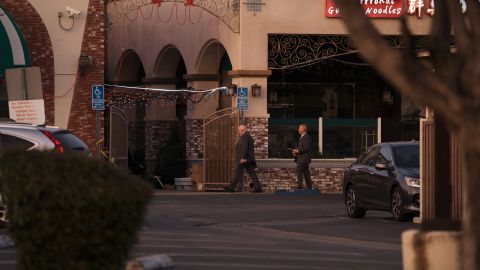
x: 67, y: 44
x: 298, y: 53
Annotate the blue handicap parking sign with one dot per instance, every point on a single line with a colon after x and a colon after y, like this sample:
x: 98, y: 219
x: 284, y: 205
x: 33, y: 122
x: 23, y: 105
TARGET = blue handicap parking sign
x: 242, y: 98
x: 98, y: 97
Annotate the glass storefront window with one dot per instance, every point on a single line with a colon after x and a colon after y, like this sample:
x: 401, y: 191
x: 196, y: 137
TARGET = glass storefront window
x: 346, y: 138
x: 283, y: 134
x: 290, y: 105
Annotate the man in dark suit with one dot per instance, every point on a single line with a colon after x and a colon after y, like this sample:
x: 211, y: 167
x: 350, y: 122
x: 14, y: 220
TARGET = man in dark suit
x: 303, y: 157
x: 244, y: 160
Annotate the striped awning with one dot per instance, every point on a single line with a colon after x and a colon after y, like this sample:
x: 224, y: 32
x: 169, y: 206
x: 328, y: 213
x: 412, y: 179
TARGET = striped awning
x: 13, y: 48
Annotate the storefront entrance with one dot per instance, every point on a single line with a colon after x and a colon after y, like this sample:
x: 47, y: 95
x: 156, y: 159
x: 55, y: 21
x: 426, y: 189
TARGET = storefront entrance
x: 322, y: 81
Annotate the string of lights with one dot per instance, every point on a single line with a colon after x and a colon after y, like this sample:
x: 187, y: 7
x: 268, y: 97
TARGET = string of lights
x: 134, y: 95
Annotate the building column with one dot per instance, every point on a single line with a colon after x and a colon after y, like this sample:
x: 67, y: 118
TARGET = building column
x: 256, y: 117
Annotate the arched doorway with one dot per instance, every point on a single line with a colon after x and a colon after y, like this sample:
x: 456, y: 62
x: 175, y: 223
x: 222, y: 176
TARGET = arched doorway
x: 165, y: 150
x: 215, y: 59
x: 219, y: 128
x: 126, y: 127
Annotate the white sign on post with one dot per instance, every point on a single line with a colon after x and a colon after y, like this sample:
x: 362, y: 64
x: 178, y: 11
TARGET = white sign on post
x: 27, y: 111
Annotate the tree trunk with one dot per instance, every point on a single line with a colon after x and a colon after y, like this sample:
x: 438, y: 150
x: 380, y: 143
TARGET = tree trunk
x: 470, y: 148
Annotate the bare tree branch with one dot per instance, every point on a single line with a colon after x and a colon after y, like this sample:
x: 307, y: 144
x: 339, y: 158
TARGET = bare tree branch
x: 473, y: 13
x: 441, y: 39
x: 407, y: 39
x: 432, y: 89
x: 463, y: 40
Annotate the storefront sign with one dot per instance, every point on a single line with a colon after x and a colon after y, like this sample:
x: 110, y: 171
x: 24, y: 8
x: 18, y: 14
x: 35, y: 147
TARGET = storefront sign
x: 391, y: 8
x: 27, y: 111
x: 386, y: 9
x: 420, y: 7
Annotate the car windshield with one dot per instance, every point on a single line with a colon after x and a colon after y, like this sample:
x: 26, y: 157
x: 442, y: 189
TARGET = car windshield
x: 407, y: 156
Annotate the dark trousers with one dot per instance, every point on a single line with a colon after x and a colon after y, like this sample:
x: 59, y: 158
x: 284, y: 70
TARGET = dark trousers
x: 303, y: 171
x: 238, y: 175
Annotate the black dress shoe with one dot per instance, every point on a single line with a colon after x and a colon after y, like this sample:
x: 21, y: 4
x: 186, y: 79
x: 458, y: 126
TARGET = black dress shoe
x: 299, y: 187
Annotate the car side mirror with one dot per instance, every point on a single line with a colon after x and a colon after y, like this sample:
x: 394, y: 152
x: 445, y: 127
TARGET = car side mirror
x: 381, y: 166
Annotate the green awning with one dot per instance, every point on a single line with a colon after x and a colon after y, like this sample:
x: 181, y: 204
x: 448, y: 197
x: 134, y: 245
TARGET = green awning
x: 13, y: 48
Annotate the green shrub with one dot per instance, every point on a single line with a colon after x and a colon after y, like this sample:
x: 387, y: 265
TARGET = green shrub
x: 71, y: 212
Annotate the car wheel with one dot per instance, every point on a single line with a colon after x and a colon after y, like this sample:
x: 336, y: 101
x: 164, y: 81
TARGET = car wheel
x: 397, y: 205
x: 351, y: 204
x: 3, y: 211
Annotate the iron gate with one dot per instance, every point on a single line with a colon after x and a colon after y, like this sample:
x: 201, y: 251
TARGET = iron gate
x: 220, y: 137
x: 119, y: 137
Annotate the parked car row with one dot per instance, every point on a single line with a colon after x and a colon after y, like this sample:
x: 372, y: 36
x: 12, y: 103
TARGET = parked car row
x: 386, y: 178
x: 25, y: 137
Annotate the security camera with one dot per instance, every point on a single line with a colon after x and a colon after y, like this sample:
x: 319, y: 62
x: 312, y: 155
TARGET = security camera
x: 73, y: 12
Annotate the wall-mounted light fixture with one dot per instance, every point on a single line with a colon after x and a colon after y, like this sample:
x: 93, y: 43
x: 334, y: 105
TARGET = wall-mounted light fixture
x: 231, y: 90
x: 84, y: 62
x: 387, y: 97
x: 256, y: 90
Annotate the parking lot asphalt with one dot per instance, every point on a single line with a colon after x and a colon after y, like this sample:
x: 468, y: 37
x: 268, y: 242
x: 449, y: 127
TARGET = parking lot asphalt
x: 262, y: 231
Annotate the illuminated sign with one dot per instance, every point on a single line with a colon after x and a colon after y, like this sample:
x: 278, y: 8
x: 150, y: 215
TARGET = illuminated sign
x: 420, y: 7
x: 386, y: 9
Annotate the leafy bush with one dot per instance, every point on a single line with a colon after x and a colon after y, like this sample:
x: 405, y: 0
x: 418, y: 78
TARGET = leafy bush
x: 71, y: 212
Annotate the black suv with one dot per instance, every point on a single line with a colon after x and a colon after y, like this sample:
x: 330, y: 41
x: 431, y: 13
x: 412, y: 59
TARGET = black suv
x: 386, y: 178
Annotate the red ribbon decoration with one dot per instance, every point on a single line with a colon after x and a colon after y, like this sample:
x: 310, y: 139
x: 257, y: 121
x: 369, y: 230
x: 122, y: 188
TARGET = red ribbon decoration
x: 188, y: 2
x: 158, y: 2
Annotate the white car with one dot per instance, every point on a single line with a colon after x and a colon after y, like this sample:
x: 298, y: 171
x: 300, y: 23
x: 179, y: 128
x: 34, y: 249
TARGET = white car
x: 25, y: 137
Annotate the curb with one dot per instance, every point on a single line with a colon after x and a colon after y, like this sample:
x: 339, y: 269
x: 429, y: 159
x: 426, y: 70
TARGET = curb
x: 153, y: 262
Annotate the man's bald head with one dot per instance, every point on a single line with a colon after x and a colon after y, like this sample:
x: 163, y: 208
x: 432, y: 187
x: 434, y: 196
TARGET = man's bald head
x: 241, y: 129
x: 302, y: 129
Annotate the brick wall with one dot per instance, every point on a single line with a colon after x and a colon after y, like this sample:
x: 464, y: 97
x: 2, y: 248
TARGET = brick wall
x: 194, y: 138
x: 157, y: 134
x: 39, y: 46
x: 82, y: 118
x: 273, y: 179
x: 258, y: 128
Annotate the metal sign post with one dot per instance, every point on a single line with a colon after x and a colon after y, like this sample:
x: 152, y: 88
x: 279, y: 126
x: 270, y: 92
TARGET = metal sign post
x: 98, y: 104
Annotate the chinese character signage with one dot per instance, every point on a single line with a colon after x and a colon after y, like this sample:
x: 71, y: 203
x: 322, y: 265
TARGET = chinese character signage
x: 373, y: 9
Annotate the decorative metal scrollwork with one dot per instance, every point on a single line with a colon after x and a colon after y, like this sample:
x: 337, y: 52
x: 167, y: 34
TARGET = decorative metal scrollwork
x: 289, y: 51
x: 298, y: 51
x: 224, y: 10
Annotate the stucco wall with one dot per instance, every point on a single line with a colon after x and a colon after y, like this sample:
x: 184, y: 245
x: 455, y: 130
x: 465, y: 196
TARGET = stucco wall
x: 66, y: 46
x: 248, y: 50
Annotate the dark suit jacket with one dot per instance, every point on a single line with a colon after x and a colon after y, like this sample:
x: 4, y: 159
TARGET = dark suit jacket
x: 304, y: 146
x: 245, y: 149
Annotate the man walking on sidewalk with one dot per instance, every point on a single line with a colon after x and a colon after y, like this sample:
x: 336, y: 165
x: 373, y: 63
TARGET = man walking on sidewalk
x: 303, y: 157
x: 244, y: 160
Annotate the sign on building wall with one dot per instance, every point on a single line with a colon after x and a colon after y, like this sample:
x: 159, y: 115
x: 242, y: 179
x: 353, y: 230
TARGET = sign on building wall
x: 387, y: 9
x: 242, y: 98
x: 27, y: 111
x: 391, y: 8
x: 98, y: 97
